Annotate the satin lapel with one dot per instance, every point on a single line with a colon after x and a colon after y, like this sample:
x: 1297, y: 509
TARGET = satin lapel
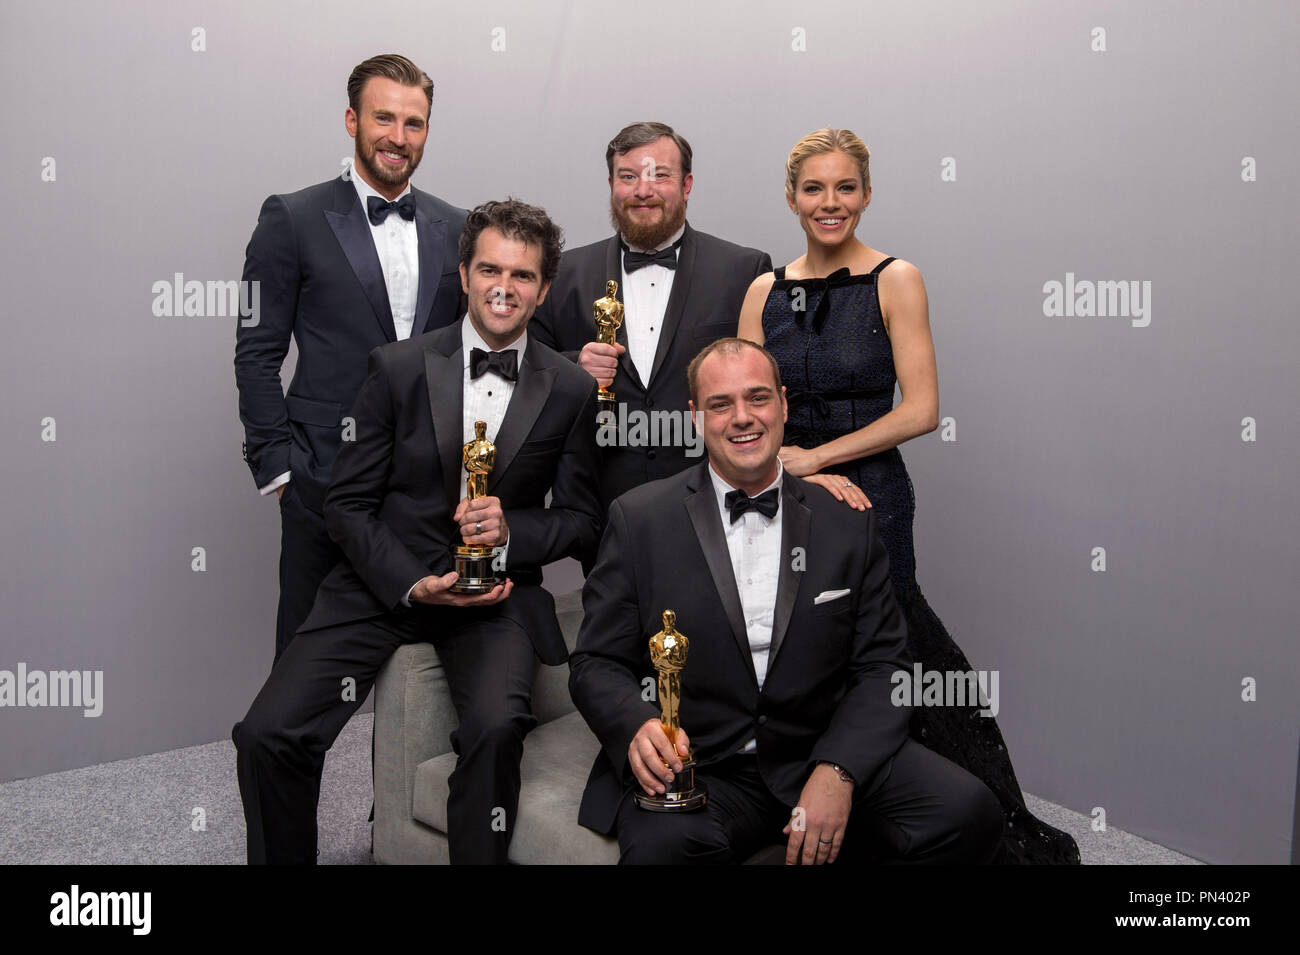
x: 702, y: 507
x: 352, y: 229
x: 676, y: 298
x: 431, y: 237
x: 796, y: 524
x: 445, y: 377
x: 530, y: 394
x: 614, y: 271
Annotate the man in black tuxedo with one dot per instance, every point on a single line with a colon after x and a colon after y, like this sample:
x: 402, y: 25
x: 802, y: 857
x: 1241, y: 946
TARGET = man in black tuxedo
x: 680, y: 289
x: 397, y: 506
x: 343, y: 267
x: 794, y: 638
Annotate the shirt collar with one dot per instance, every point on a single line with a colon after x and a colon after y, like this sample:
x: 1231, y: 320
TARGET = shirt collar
x: 663, y: 245
x: 471, y: 339
x: 721, y: 488
x: 365, y: 190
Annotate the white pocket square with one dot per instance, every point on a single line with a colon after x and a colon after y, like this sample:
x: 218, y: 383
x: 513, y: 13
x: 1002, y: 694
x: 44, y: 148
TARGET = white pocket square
x: 826, y: 596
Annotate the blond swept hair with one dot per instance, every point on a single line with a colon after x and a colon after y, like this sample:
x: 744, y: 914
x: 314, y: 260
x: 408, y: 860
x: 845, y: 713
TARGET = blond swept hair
x: 827, y: 140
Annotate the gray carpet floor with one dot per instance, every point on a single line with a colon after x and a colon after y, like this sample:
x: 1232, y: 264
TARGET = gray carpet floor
x: 182, y: 808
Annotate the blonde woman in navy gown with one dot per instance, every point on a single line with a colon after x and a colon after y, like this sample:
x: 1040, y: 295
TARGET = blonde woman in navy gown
x: 846, y: 323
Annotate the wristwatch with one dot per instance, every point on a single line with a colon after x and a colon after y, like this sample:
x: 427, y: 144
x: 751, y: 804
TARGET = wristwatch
x: 840, y: 771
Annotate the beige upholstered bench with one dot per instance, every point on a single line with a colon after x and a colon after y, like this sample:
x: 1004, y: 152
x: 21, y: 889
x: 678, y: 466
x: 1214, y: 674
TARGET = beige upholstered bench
x: 414, y: 718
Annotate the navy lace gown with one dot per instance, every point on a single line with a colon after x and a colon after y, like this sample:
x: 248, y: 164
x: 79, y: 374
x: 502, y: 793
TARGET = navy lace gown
x: 838, y: 369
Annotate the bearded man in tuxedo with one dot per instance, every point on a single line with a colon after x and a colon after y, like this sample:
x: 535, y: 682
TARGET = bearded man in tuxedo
x: 680, y: 289
x: 343, y: 267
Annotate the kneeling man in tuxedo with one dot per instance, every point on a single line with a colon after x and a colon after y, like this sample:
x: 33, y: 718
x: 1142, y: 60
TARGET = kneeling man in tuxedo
x: 397, y: 506
x: 794, y: 635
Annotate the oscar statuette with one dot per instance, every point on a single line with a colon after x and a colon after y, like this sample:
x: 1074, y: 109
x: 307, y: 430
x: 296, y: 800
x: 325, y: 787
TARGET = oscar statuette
x: 474, y: 561
x: 668, y: 655
x: 608, y: 313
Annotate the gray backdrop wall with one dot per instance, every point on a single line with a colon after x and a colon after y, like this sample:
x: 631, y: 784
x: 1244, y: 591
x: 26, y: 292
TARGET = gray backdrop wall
x: 1014, y: 146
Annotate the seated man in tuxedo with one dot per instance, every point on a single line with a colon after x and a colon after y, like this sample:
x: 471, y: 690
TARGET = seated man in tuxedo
x: 793, y: 635
x: 680, y: 289
x: 397, y: 506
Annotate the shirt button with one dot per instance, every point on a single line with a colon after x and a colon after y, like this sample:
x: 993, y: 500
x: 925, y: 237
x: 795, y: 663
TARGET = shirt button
x: 749, y: 580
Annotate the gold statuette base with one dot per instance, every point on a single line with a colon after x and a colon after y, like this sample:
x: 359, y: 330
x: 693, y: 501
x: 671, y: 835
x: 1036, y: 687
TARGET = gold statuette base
x: 474, y: 565
x: 681, y: 795
x: 605, y: 399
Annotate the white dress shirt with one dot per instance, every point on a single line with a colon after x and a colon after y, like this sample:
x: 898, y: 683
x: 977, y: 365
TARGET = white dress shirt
x: 399, y: 259
x: 645, y: 300
x: 754, y: 543
x: 397, y: 243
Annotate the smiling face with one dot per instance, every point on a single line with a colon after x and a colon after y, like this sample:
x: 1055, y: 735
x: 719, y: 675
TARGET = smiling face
x: 741, y: 414
x: 829, y: 198
x: 504, y: 284
x: 648, y: 193
x: 390, y: 131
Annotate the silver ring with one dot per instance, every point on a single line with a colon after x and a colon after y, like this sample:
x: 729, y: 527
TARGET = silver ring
x: 478, y: 527
x: 848, y: 484
x: 826, y: 842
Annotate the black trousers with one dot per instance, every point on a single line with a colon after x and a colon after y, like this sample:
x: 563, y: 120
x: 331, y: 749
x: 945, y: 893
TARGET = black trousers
x: 307, y: 555
x: 323, y: 677
x: 926, y: 809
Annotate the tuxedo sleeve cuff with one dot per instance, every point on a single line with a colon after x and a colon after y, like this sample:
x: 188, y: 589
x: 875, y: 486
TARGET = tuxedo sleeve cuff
x: 279, y: 482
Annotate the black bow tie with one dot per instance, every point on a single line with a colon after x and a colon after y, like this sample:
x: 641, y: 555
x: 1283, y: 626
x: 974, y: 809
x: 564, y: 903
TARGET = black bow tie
x: 639, y: 260
x: 378, y: 209
x: 504, y: 363
x: 738, y: 502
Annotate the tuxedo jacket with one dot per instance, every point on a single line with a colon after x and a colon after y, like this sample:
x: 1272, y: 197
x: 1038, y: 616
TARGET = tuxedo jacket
x: 321, y: 283
x: 396, y: 487
x: 709, y: 287
x: 826, y: 695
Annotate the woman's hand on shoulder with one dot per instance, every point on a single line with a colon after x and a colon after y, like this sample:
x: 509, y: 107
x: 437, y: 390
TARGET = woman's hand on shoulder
x: 750, y: 325
x: 842, y: 489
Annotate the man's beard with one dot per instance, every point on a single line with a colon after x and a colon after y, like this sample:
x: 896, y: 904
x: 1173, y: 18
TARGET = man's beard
x: 388, y: 175
x: 648, y: 236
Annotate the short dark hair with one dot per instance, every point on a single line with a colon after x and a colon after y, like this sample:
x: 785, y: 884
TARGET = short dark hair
x: 728, y: 346
x: 391, y: 66
x: 515, y: 220
x: 643, y: 134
